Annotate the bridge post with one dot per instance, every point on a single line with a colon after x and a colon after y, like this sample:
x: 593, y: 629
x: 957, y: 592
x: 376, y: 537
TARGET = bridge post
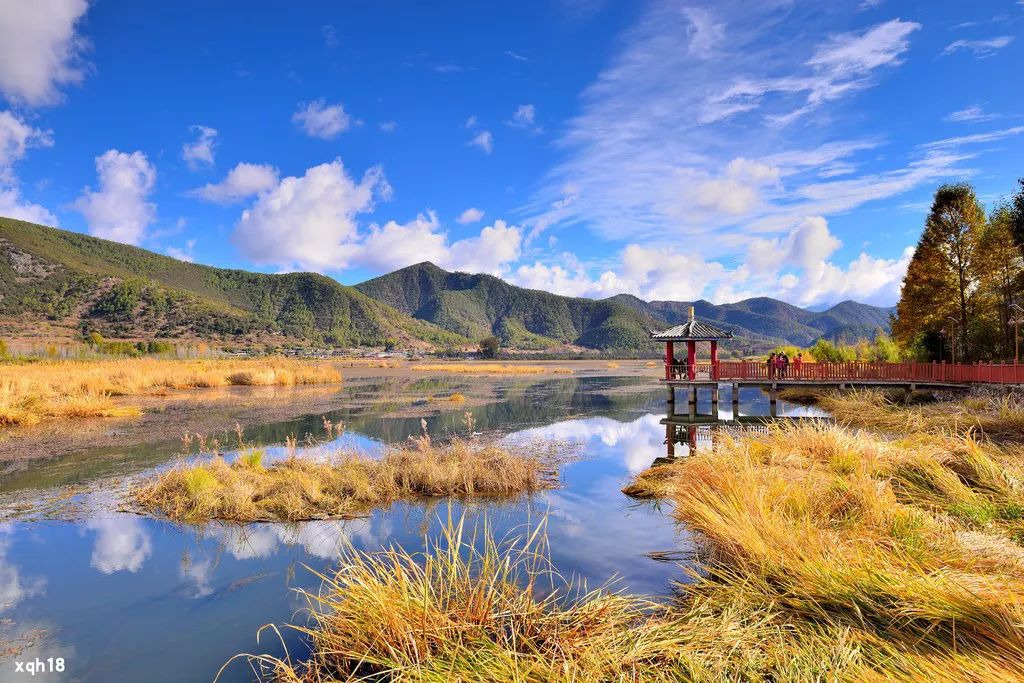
x: 714, y: 395
x: 735, y: 400
x: 773, y: 399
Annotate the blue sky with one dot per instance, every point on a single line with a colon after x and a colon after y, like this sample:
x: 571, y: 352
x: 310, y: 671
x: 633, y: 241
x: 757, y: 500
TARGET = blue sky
x: 673, y: 150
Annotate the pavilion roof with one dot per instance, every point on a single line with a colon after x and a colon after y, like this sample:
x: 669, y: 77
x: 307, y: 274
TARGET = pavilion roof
x: 692, y: 330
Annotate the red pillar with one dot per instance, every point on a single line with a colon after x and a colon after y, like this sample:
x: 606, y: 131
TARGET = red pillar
x: 669, y: 355
x: 714, y: 359
x: 691, y: 359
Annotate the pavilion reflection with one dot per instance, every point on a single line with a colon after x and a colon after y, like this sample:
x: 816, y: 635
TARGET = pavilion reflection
x: 687, y: 435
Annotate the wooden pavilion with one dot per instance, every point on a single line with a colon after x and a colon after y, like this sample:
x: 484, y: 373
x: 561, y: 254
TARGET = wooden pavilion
x: 691, y: 332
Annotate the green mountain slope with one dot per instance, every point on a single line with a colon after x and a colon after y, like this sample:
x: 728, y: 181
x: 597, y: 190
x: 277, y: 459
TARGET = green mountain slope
x: 480, y: 305
x: 53, y: 281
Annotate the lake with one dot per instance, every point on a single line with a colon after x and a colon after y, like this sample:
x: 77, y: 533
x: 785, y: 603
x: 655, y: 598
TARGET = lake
x: 122, y: 597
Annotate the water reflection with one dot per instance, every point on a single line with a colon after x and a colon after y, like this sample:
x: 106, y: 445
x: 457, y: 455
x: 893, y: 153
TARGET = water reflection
x: 134, y: 598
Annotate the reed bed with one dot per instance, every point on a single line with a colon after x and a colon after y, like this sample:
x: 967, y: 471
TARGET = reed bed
x: 995, y: 417
x: 344, y: 485
x: 474, y: 608
x: 490, y: 368
x: 33, y: 392
x: 824, y: 554
x: 905, y: 553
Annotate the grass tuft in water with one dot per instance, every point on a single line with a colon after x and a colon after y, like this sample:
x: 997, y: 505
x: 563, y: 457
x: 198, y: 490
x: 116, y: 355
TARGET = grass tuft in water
x: 343, y: 485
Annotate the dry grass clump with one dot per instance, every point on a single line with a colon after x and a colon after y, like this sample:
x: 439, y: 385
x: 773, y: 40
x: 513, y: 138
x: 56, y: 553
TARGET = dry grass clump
x: 490, y: 368
x: 1000, y: 418
x: 30, y: 393
x: 472, y: 608
x: 348, y: 483
x: 902, y: 551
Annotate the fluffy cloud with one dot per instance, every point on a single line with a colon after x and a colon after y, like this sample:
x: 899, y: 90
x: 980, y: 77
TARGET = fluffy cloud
x: 321, y: 120
x: 241, y: 182
x: 40, y: 49
x: 182, y: 253
x: 309, y: 221
x: 484, y: 140
x: 120, y: 209
x: 388, y: 126
x: 199, y: 152
x: 797, y: 267
x: 395, y: 245
x: 16, y: 137
x: 470, y: 215
x: 13, y: 206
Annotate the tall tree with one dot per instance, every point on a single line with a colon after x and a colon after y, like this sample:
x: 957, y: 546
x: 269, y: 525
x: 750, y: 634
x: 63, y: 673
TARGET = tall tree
x: 942, y: 278
x: 1016, y: 218
x: 1000, y: 268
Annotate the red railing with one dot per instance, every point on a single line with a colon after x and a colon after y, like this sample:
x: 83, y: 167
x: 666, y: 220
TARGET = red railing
x: 911, y: 371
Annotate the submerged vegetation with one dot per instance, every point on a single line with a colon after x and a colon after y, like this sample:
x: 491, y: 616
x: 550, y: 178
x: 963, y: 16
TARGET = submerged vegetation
x: 32, y: 392
x: 490, y: 368
x: 342, y: 485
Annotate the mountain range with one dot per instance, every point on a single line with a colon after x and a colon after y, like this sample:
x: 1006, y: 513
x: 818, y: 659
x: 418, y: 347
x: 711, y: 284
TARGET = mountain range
x: 57, y: 284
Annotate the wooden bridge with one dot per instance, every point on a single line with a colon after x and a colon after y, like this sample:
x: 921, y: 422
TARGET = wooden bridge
x: 910, y: 376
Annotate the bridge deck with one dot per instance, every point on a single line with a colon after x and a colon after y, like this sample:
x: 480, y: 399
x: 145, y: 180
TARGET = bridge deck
x: 749, y: 373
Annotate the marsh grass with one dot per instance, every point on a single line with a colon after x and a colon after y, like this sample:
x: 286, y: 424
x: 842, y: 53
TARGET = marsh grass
x: 490, y: 368
x: 474, y: 608
x: 344, y: 485
x: 31, y: 393
x: 999, y: 418
x: 903, y: 550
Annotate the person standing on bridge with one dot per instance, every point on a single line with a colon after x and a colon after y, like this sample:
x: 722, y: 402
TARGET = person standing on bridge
x: 797, y: 362
x: 771, y: 365
x: 784, y: 363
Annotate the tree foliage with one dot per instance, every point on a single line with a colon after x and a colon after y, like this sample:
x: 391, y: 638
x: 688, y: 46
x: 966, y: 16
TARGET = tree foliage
x: 489, y: 346
x: 962, y: 280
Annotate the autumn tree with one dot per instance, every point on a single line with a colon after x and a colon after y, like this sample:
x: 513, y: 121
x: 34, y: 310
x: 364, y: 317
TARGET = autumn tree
x: 1000, y: 272
x: 943, y: 276
x: 1016, y: 215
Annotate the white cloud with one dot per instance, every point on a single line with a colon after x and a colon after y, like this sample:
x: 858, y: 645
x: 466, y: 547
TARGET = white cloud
x: 652, y: 154
x: 980, y: 48
x: 484, y: 140
x: 120, y: 209
x: 182, y: 253
x: 971, y: 114
x: 516, y: 56
x: 309, y: 221
x: 470, y: 215
x: 16, y: 137
x: 241, y: 182
x: 797, y: 267
x: 524, y: 116
x: 40, y: 49
x: 395, y: 245
x: 953, y: 143
x: 321, y: 120
x: 388, y: 126
x: 200, y: 151
x: 13, y: 206
x: 330, y: 35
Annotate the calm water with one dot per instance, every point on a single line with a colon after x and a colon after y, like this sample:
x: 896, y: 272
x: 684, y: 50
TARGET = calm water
x: 126, y: 598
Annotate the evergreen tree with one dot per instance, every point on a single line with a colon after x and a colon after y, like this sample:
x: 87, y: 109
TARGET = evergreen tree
x: 1016, y: 215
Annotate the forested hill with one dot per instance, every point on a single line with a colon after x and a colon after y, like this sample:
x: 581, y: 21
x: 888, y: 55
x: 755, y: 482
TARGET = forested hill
x: 478, y: 305
x: 55, y: 283
x: 766, y: 319
x: 59, y: 284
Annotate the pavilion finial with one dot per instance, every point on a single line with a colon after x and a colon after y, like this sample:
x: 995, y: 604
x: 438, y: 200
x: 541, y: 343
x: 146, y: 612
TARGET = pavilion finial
x: 691, y: 312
